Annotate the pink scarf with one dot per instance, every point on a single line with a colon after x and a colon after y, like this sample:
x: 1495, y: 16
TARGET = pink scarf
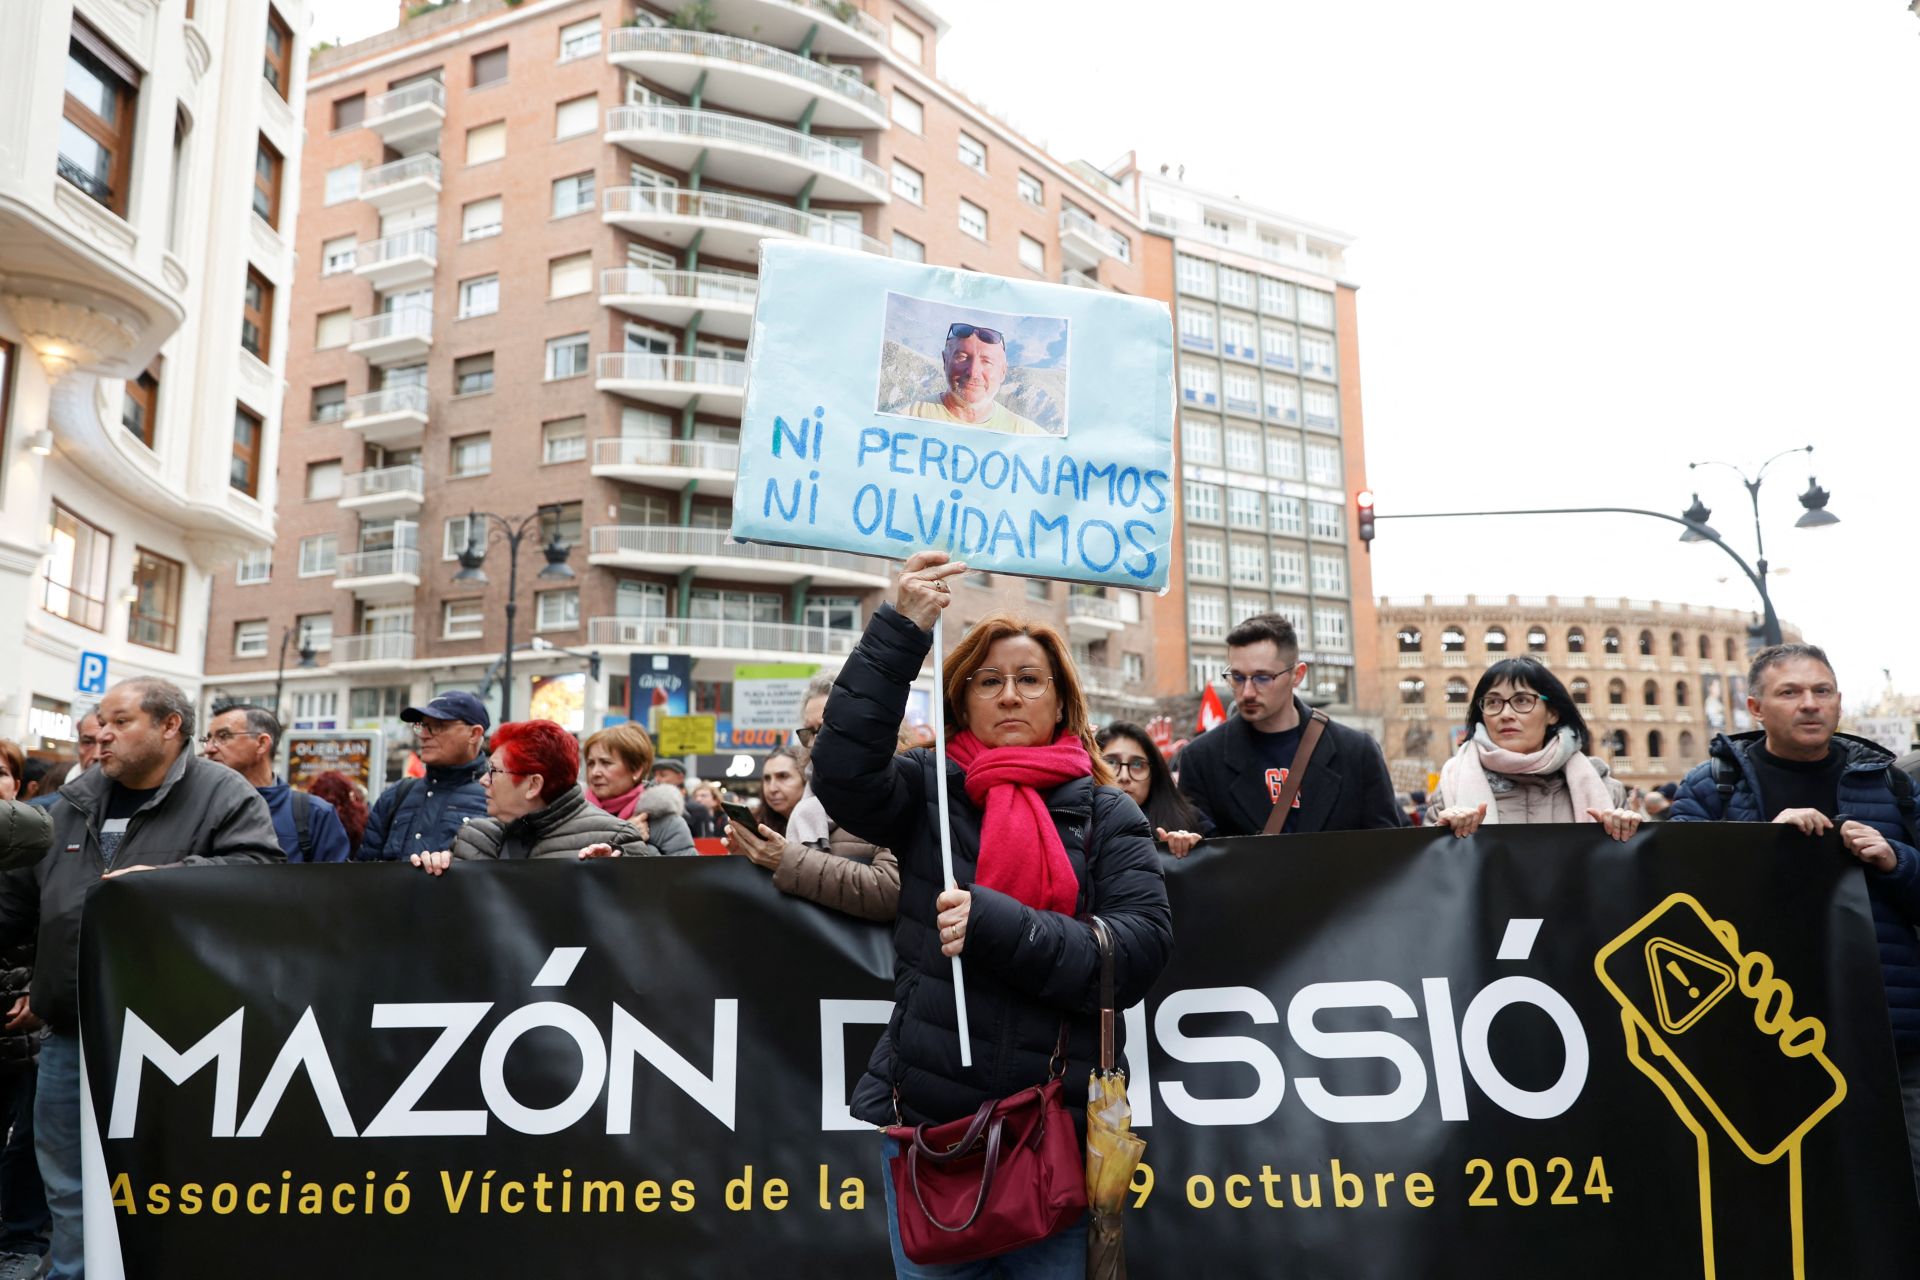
x: 1463, y: 779
x: 621, y: 806
x: 1020, y: 851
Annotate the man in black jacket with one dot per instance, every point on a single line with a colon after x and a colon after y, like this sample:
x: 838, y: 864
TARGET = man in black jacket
x: 1235, y: 771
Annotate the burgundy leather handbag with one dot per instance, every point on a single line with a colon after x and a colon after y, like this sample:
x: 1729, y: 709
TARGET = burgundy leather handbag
x: 1010, y: 1175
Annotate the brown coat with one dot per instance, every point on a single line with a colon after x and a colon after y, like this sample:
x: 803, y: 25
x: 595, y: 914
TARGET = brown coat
x: 849, y: 875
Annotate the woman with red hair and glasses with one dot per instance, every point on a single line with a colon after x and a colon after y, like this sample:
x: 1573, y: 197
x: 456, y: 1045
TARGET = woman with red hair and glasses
x: 535, y: 807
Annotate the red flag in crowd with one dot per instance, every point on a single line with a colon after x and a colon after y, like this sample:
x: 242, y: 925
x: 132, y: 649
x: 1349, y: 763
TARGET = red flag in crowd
x: 1211, y: 712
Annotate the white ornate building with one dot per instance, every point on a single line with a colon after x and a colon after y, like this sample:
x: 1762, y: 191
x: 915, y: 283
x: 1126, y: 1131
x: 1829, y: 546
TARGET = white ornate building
x: 149, y: 165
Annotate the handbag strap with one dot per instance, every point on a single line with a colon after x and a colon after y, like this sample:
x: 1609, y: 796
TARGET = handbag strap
x: 967, y: 1140
x: 986, y: 1177
x: 1296, y: 774
x: 1103, y: 939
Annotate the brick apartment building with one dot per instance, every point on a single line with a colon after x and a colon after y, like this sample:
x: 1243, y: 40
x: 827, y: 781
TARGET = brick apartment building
x: 524, y: 287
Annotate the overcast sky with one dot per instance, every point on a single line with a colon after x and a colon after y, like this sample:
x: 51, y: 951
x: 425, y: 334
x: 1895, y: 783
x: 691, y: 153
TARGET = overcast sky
x: 1594, y: 243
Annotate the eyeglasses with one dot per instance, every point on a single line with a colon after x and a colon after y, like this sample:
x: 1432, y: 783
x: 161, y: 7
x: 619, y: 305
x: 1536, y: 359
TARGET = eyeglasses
x: 1027, y: 682
x: 1493, y: 704
x: 963, y: 331
x: 496, y: 770
x: 1136, y: 767
x: 1261, y: 680
x: 806, y: 736
x: 219, y: 737
x: 427, y: 728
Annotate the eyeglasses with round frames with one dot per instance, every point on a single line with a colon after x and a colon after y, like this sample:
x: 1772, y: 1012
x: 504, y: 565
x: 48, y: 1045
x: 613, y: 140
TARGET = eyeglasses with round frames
x: 1133, y: 766
x: 1493, y: 704
x: 1029, y: 682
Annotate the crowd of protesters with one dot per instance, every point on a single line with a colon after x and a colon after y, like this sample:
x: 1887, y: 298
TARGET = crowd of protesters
x: 1051, y: 819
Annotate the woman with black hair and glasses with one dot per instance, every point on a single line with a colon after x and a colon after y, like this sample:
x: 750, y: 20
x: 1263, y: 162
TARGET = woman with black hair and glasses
x: 1525, y: 759
x: 1142, y: 773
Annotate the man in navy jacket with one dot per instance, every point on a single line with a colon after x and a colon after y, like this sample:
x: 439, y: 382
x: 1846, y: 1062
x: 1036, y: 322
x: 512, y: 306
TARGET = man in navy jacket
x: 245, y: 738
x: 421, y: 815
x: 1795, y: 769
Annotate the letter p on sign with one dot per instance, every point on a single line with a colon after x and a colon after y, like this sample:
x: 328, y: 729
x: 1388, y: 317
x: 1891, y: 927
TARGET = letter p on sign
x: 93, y: 673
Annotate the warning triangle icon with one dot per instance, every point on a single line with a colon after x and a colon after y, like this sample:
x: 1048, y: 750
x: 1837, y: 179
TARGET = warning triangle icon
x: 1685, y: 983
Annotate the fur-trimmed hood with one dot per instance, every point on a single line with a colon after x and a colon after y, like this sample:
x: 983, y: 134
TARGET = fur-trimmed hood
x: 662, y: 800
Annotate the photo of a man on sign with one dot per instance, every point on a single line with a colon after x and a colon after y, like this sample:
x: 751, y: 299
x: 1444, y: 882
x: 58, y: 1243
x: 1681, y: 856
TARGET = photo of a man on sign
x: 1002, y: 373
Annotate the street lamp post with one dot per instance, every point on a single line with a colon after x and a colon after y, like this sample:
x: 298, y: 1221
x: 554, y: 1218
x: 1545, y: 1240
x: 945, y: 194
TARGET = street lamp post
x: 483, y: 529
x: 280, y: 675
x: 1816, y: 516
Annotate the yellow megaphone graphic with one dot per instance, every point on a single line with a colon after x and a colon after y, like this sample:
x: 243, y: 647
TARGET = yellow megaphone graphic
x: 1713, y: 1028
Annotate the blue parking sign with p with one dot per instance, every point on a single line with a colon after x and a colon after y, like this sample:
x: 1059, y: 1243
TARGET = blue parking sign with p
x: 93, y: 673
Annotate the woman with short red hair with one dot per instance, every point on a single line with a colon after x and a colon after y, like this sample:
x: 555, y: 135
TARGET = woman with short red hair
x: 534, y: 807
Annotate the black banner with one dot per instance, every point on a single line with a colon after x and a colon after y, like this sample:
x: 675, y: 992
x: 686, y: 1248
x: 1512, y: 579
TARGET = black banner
x: 1534, y: 1052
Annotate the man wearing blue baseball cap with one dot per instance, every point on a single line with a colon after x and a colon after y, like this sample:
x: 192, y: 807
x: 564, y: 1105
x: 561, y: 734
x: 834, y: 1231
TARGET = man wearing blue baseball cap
x: 419, y: 815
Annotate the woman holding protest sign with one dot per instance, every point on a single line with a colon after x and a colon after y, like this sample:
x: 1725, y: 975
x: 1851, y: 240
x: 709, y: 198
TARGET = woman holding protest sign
x: 1142, y: 773
x: 1039, y: 837
x: 1525, y: 759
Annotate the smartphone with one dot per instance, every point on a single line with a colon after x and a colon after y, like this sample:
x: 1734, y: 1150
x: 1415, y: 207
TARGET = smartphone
x: 741, y: 814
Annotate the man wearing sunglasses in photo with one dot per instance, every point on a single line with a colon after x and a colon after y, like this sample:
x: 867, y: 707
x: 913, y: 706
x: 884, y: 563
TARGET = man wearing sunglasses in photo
x: 1237, y: 773
x: 975, y: 360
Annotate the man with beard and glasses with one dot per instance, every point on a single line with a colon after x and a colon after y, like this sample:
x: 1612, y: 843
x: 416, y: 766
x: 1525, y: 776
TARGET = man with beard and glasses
x: 975, y: 363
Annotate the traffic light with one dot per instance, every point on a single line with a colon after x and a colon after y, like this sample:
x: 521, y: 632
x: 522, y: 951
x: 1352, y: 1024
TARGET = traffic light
x: 1363, y: 501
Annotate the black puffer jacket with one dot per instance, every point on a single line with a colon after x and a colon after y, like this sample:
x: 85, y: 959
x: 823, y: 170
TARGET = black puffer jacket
x: 1025, y: 969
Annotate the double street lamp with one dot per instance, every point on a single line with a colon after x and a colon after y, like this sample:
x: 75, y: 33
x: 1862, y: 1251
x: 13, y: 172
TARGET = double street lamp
x: 485, y: 528
x: 307, y: 654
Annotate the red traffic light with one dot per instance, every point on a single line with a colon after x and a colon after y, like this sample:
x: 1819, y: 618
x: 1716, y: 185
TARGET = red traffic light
x: 1363, y: 503
x: 1364, y: 498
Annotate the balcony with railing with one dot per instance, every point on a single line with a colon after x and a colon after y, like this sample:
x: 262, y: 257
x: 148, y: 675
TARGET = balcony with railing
x: 393, y: 337
x: 673, y: 549
x: 405, y: 258
x: 1110, y: 682
x: 394, y: 417
x: 1083, y: 280
x: 385, y: 492
x: 380, y: 576
x: 724, y: 303
x: 836, y: 28
x: 1093, y: 615
x: 725, y: 226
x: 707, y: 465
x: 755, y: 78
x: 723, y: 637
x: 746, y: 153
x: 1084, y: 243
x: 402, y: 184
x: 379, y: 649
x: 718, y: 384
x: 409, y: 119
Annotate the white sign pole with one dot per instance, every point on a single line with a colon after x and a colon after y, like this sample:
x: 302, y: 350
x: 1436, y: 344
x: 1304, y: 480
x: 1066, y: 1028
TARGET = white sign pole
x: 938, y: 701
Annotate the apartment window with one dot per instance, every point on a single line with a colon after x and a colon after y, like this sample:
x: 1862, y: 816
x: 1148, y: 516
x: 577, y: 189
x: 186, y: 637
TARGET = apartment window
x: 480, y: 219
x: 248, y: 435
x: 1203, y: 502
x: 1276, y: 297
x: 254, y: 568
x: 907, y: 249
x: 338, y: 254
x: 569, y: 276
x: 1283, y: 456
x: 266, y: 183
x: 473, y: 374
x: 1320, y: 411
x: 1194, y: 275
x: 908, y: 43
x: 1283, y: 399
x: 566, y: 357
x: 487, y: 142
x: 349, y: 112
x: 250, y: 639
x: 96, y: 127
x: 278, y: 66
x: 1329, y: 574
x: 557, y: 610
x: 461, y: 620
x: 343, y: 183
x: 579, y: 39
x: 328, y: 403
x: 1033, y: 254
x: 908, y: 182
x: 77, y: 570
x: 1207, y: 615
x: 154, y: 619
x: 908, y: 113
x: 1325, y: 520
x: 490, y: 67
x: 973, y: 219
x: 323, y: 480
x: 1199, y: 384
x: 471, y: 455
x: 1316, y: 355
x: 1243, y: 392
x: 319, y: 555
x: 573, y: 195
x: 141, y: 403
x: 1243, y: 450
x: 316, y: 632
x: 973, y: 152
x: 1196, y: 329
x: 1316, y: 308
x: 563, y: 441
x: 576, y: 116
x: 1244, y: 509
x: 1330, y: 630
x: 1032, y: 190
x: 479, y: 296
x: 454, y: 536
x: 1200, y: 440
x: 256, y: 315
x: 1323, y: 465
x: 1236, y: 287
x: 1289, y: 570
x: 1236, y: 336
x: 1283, y: 515
x: 332, y: 329
x: 1203, y: 557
